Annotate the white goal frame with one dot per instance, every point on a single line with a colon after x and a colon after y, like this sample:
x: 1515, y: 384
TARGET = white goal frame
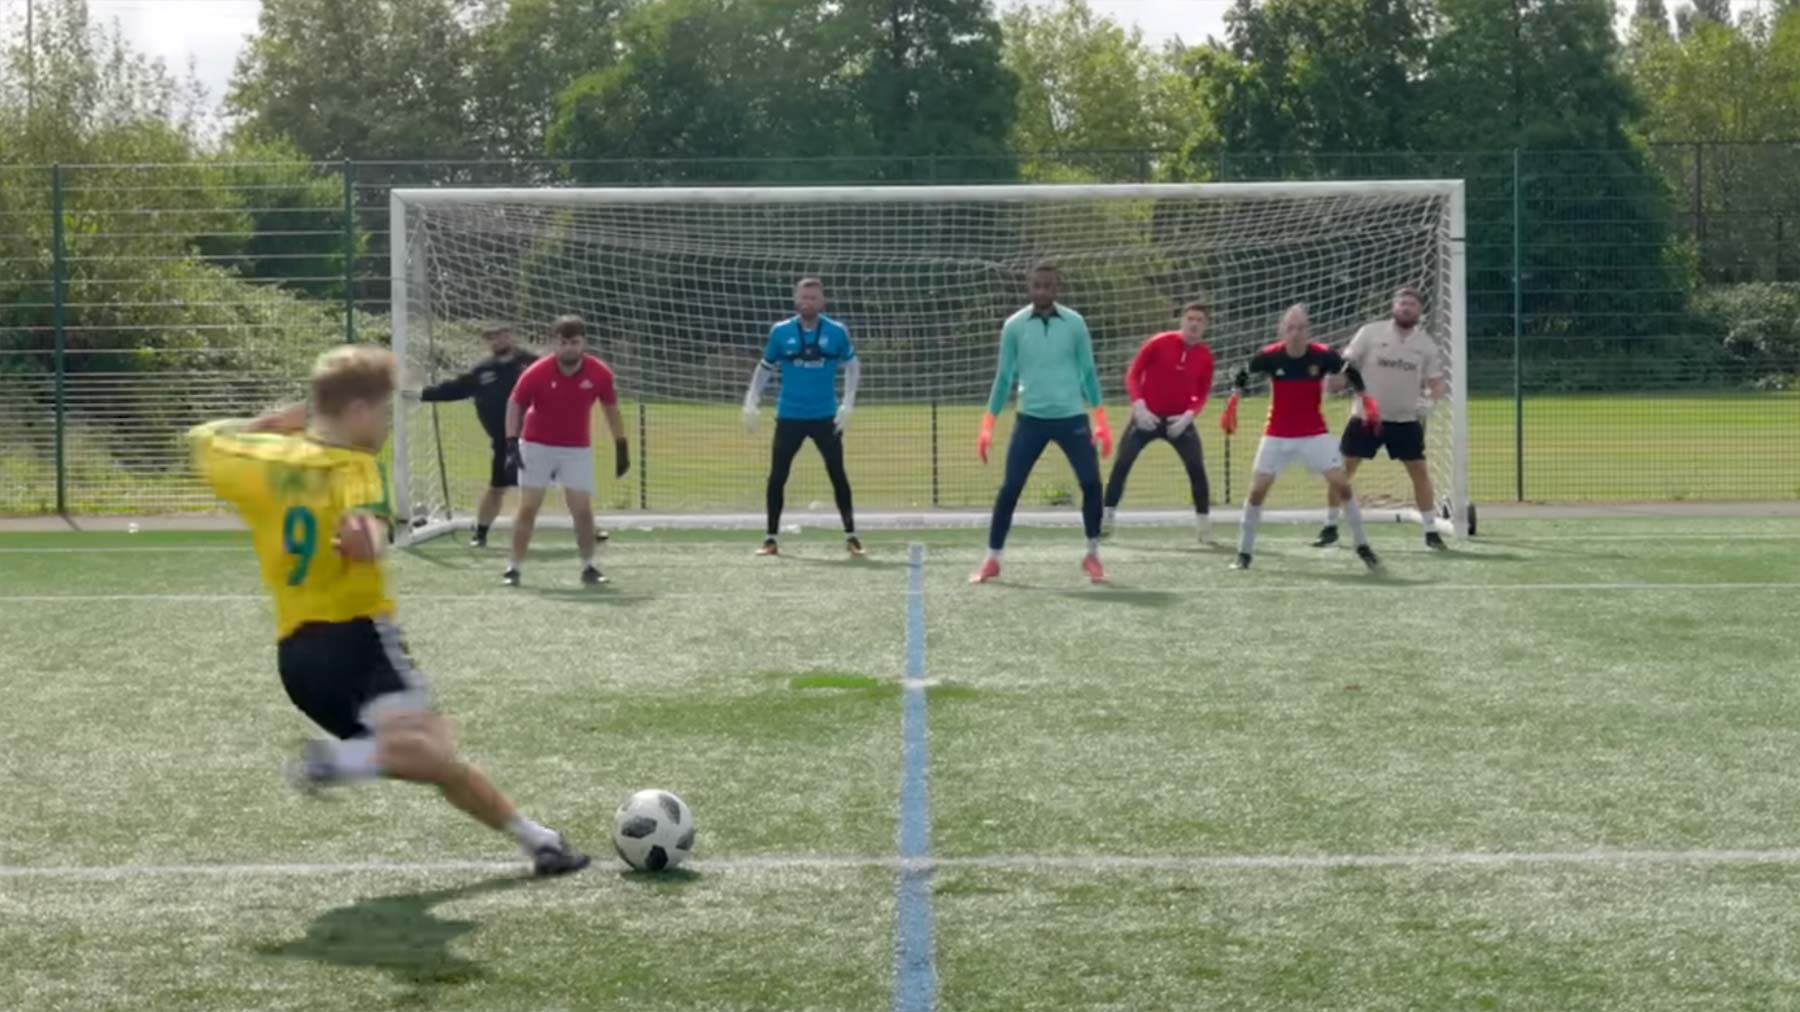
x: 406, y: 273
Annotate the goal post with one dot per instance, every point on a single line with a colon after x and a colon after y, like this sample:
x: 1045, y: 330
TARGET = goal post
x: 680, y: 286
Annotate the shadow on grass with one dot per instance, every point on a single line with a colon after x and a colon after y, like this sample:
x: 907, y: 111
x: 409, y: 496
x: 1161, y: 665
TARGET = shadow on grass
x: 850, y: 562
x: 605, y: 594
x: 398, y: 934
x: 1114, y: 593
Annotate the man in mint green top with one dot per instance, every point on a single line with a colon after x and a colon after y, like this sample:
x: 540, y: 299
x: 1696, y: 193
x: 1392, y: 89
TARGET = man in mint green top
x: 1046, y: 350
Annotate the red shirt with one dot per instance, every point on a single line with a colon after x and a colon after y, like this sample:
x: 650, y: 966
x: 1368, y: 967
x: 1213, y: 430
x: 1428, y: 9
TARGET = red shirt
x: 1169, y: 376
x: 557, y: 405
x: 1297, y: 389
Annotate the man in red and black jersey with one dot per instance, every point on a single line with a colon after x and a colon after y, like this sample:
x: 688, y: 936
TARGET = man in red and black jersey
x: 1296, y: 430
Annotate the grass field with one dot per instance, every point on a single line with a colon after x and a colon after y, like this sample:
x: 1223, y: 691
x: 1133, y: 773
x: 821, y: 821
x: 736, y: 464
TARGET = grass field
x: 1711, y: 447
x: 1549, y: 770
x: 1618, y: 448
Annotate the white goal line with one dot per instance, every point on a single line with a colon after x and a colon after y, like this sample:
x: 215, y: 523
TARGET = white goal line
x: 1375, y: 585
x: 1606, y: 857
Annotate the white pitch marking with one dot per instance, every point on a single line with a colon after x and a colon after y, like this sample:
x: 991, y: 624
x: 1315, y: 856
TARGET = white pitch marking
x: 1002, y: 862
x: 1221, y: 590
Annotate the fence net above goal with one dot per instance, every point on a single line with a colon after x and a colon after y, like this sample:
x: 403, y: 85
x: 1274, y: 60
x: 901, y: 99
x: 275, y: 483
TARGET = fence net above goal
x: 680, y: 288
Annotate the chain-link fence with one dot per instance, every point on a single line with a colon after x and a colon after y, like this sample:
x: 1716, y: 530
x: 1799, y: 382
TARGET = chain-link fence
x: 1634, y: 315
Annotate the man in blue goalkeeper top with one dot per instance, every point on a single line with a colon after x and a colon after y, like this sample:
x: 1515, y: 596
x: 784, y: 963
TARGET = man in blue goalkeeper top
x: 807, y: 348
x: 1046, y: 350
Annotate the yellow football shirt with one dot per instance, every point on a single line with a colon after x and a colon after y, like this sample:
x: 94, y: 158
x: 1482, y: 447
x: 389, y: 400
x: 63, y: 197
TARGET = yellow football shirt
x: 291, y: 492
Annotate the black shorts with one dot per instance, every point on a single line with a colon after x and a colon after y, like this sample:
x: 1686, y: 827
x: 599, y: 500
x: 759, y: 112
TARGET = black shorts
x: 1404, y: 440
x: 334, y: 670
x: 499, y: 475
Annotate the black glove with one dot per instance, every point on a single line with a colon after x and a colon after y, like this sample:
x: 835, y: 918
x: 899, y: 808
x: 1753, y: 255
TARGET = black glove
x: 621, y: 458
x: 513, y: 462
x: 1241, y: 380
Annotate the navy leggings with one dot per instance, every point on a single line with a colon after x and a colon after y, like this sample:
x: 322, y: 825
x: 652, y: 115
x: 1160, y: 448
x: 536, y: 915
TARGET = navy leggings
x: 1030, y: 436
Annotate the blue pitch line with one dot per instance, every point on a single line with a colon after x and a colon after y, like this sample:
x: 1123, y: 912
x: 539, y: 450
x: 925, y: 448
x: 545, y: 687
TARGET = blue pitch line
x: 915, y: 951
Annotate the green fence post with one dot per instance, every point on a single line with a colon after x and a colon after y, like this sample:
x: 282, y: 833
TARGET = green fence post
x: 643, y: 457
x: 1518, y: 294
x: 349, y: 252
x: 59, y: 325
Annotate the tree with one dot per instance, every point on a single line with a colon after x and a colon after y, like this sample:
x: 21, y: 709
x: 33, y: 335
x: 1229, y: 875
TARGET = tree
x: 1077, y: 71
x: 1723, y: 82
x: 1317, y: 75
x: 1701, y: 12
x: 1650, y: 19
x: 140, y: 294
x: 932, y: 81
x: 94, y: 98
x: 1543, y: 74
x: 793, y: 79
x: 367, y: 79
x: 717, y: 79
x: 527, y: 52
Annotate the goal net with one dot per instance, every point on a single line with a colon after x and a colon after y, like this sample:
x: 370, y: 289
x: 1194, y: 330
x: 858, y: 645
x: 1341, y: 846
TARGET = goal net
x: 680, y: 287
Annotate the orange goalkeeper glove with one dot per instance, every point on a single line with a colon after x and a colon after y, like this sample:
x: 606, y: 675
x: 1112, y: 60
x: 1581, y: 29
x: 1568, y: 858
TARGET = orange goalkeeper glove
x: 1228, y: 418
x: 1371, y: 415
x: 1102, y: 432
x: 986, y: 440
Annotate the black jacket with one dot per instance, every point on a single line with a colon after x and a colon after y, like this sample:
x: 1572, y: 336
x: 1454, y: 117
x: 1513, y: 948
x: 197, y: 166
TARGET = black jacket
x: 490, y: 382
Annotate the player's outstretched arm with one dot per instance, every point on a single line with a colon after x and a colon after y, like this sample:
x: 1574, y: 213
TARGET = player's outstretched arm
x: 1090, y: 387
x: 1006, y: 373
x: 852, y: 379
x: 1141, y: 415
x: 759, y: 381
x: 456, y: 388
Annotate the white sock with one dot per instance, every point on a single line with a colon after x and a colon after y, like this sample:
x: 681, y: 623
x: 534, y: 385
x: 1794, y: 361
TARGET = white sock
x: 512, y: 563
x: 1332, y: 515
x: 587, y: 560
x: 1353, y: 516
x: 1427, y: 521
x: 994, y: 554
x: 1247, y: 529
x: 1203, y: 524
x: 530, y: 835
x: 1111, y: 513
x: 354, y: 759
x: 1093, y: 546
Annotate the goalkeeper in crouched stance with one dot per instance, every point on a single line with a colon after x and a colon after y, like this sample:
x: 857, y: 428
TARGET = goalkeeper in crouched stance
x: 1297, y: 368
x: 316, y: 502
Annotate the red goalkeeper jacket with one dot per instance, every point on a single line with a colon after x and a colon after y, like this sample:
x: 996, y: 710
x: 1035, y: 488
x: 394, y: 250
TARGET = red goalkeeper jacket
x: 1170, y: 377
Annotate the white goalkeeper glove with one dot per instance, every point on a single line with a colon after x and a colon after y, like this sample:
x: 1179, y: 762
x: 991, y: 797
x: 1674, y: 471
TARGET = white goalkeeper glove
x: 750, y: 414
x: 1143, y: 417
x: 1425, y: 406
x: 843, y: 418
x: 1180, y: 423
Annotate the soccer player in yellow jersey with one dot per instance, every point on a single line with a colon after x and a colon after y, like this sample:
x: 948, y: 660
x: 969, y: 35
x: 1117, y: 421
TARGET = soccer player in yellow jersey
x: 316, y: 501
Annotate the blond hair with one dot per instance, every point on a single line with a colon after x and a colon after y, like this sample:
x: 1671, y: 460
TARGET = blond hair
x: 350, y: 373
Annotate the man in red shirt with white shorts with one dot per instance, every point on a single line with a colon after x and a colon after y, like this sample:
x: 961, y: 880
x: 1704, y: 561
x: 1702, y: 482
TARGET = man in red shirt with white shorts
x: 548, y: 439
x: 1168, y: 382
x: 1297, y: 367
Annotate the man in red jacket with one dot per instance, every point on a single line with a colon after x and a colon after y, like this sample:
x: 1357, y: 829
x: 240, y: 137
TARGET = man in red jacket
x: 1168, y: 382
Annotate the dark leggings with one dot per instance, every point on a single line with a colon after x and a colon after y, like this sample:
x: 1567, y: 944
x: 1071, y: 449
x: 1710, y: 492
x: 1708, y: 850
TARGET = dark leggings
x: 1029, y: 438
x: 790, y: 435
x: 1187, y: 447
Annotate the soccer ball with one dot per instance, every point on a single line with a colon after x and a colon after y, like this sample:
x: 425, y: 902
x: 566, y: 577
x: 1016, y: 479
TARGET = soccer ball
x: 653, y: 831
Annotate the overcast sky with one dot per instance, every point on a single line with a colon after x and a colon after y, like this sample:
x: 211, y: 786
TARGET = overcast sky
x: 210, y: 32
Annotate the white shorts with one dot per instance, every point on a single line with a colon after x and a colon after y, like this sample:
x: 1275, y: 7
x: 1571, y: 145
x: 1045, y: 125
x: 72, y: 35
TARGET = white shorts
x: 572, y: 467
x: 1319, y: 452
